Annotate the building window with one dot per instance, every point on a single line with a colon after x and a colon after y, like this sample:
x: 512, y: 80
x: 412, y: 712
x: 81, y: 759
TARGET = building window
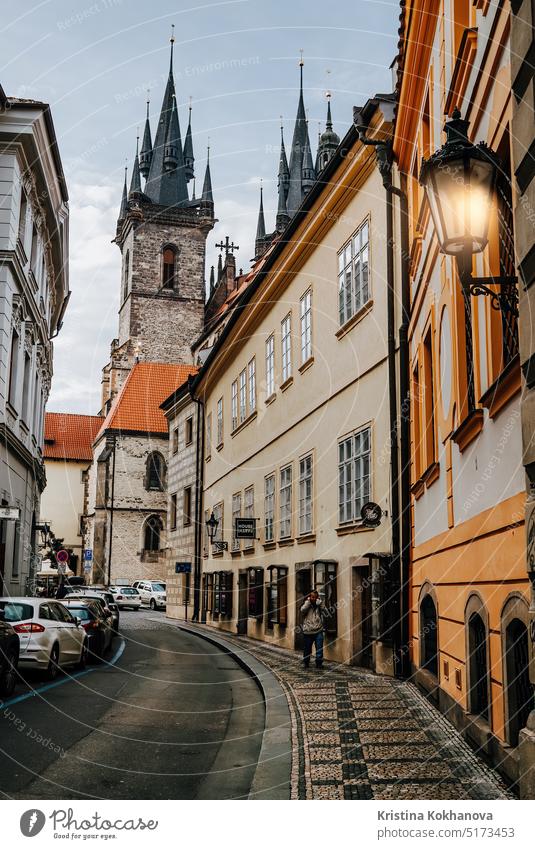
x: 416, y: 426
x: 429, y: 635
x: 187, y: 505
x: 243, y: 396
x: 169, y: 268
x: 353, y: 475
x: 26, y: 388
x: 353, y: 274
x: 236, y: 514
x: 269, y: 508
x: 252, y: 385
x: 277, y: 596
x: 208, y: 449
x: 155, y: 478
x: 173, y: 512
x: 428, y: 401
x: 22, y: 216
x: 478, y: 666
x: 208, y: 587
x: 286, y: 502
x: 175, y: 441
x: 248, y: 511
x: 153, y: 529
x: 218, y: 514
x: 14, y: 368
x: 220, y: 422
x: 255, y: 596
x: 126, y: 274
x: 189, y: 430
x: 306, y: 326
x: 270, y: 366
x: 234, y: 404
x: 286, y: 347
x: 305, y: 495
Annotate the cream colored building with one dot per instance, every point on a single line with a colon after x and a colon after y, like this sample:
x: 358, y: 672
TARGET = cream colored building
x: 297, y: 425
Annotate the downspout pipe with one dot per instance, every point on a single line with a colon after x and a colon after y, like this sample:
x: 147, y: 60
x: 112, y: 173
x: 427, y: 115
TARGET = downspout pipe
x: 199, y: 482
x: 399, y: 428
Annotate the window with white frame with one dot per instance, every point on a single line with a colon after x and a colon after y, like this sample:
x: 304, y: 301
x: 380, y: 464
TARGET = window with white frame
x: 286, y: 347
x: 353, y: 274
x: 252, y: 385
x: 236, y: 514
x: 218, y: 515
x: 208, y: 446
x: 286, y: 502
x: 305, y: 495
x: 269, y: 508
x: 248, y: 510
x: 306, y: 326
x: 243, y: 395
x: 220, y: 422
x: 234, y: 404
x: 353, y: 474
x: 270, y: 366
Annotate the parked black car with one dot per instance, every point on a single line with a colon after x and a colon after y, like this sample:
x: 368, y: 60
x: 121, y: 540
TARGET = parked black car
x: 104, y: 597
x: 9, y: 656
x: 97, y: 626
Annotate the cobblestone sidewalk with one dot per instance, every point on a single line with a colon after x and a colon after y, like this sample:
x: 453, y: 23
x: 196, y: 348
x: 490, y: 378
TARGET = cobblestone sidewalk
x: 356, y: 735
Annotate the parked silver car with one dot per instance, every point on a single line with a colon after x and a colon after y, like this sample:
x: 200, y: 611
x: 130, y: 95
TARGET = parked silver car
x: 126, y: 597
x: 152, y: 593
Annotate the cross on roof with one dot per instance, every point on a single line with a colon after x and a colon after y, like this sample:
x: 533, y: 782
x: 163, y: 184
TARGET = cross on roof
x: 228, y: 246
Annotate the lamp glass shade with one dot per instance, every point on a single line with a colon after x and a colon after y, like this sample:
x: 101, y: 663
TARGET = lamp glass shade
x: 459, y: 193
x: 211, y: 525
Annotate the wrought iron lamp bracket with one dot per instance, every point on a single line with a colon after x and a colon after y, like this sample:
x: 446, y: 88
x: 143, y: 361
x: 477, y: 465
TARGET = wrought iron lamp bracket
x: 505, y: 300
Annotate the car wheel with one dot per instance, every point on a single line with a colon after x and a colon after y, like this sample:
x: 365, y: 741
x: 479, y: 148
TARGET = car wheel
x: 152, y: 604
x: 82, y: 663
x: 8, y: 677
x: 53, y: 663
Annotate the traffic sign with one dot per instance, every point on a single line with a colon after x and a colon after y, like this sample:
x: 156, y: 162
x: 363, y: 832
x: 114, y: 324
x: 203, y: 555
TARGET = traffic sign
x: 62, y: 556
x: 88, y: 553
x: 182, y: 568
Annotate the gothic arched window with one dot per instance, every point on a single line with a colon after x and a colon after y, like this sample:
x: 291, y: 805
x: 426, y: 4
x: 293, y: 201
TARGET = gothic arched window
x: 153, y: 530
x: 155, y: 477
x: 126, y: 274
x: 169, y: 267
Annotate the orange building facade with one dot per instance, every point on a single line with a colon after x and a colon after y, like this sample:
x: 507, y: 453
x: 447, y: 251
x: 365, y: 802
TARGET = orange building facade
x: 469, y: 592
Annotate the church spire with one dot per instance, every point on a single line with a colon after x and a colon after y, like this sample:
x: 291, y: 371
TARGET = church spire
x: 329, y: 140
x: 135, y: 183
x: 207, y: 185
x: 299, y: 144
x: 308, y: 174
x: 166, y: 182
x: 189, y: 159
x: 261, y: 225
x: 145, y: 155
x: 283, y: 184
x: 124, y: 199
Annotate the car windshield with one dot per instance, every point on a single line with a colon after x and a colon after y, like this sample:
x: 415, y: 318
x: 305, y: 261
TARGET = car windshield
x: 14, y: 611
x: 158, y: 587
x: 128, y: 591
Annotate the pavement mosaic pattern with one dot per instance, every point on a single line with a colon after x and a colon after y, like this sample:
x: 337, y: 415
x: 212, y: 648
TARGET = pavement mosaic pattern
x: 357, y: 735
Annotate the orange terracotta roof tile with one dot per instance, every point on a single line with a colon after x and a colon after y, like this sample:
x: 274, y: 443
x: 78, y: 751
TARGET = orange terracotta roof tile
x: 137, y: 406
x: 69, y: 436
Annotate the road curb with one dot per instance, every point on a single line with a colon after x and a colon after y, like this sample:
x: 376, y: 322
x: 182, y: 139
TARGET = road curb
x: 273, y: 772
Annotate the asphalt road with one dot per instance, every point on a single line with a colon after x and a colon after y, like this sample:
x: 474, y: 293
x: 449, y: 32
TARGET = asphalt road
x: 172, y: 718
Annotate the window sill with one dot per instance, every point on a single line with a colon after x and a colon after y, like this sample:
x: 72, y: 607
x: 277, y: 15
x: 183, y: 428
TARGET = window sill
x: 269, y: 546
x: 418, y: 488
x: 431, y: 474
x: 286, y: 541
x: 468, y: 429
x: 248, y: 550
x: 219, y: 447
x: 243, y: 424
x: 306, y: 365
x: 236, y: 552
x: 11, y: 409
x: 351, y: 322
x: 304, y: 538
x: 503, y: 389
x: 216, y: 554
x: 271, y: 398
x: 288, y: 382
x: 342, y: 530
x: 207, y: 459
x: 21, y: 252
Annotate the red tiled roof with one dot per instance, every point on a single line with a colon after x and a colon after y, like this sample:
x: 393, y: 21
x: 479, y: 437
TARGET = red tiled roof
x: 137, y: 407
x: 69, y: 436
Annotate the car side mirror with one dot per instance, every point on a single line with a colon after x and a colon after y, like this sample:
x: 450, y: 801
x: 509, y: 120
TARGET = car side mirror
x: 78, y: 621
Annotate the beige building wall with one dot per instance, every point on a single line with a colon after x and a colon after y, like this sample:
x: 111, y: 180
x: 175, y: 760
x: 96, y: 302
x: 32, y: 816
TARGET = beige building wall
x: 62, y: 502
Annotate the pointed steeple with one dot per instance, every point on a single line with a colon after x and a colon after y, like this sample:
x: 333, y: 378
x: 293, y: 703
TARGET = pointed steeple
x: 261, y: 225
x: 124, y: 199
x: 145, y: 155
x: 308, y: 174
x: 219, y: 267
x: 212, y: 279
x: 282, y: 218
x: 166, y: 182
x: 207, y: 185
x: 193, y: 190
x: 189, y: 159
x: 317, y: 163
x: 299, y: 143
x: 329, y: 140
x: 135, y: 182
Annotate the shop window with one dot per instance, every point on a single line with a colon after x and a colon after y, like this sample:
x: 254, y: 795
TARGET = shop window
x: 208, y: 592
x: 277, y: 596
x: 255, y: 596
x: 223, y: 594
x: 325, y: 584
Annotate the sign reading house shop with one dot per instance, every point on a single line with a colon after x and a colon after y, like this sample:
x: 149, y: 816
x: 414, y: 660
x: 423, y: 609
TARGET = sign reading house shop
x: 244, y: 528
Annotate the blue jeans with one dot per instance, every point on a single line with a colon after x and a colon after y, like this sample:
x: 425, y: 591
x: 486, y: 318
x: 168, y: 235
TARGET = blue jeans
x: 313, y: 640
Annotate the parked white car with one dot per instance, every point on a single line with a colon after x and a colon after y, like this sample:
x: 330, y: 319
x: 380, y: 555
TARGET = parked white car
x: 126, y: 597
x: 152, y: 593
x: 49, y: 636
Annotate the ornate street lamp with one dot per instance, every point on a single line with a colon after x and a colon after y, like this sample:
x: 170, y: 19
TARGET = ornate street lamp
x: 459, y: 181
x: 211, y: 526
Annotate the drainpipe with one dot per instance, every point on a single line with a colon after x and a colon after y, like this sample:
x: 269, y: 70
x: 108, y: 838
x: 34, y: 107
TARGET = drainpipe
x: 399, y: 432
x: 112, y: 507
x: 199, y: 480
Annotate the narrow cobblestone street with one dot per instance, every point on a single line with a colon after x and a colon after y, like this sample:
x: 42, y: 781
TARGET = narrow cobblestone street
x: 357, y: 735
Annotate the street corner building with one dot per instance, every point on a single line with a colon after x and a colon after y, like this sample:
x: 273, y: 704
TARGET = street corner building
x: 34, y: 290
x: 469, y: 589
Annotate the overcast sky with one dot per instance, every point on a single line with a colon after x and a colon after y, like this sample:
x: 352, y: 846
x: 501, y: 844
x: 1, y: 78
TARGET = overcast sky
x: 237, y: 59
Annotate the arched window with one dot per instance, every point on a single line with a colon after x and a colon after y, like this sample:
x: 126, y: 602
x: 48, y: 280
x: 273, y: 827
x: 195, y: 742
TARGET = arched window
x: 169, y: 267
x: 155, y: 477
x: 519, y: 692
x: 428, y: 635
x: 126, y: 274
x: 153, y: 530
x: 478, y: 666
